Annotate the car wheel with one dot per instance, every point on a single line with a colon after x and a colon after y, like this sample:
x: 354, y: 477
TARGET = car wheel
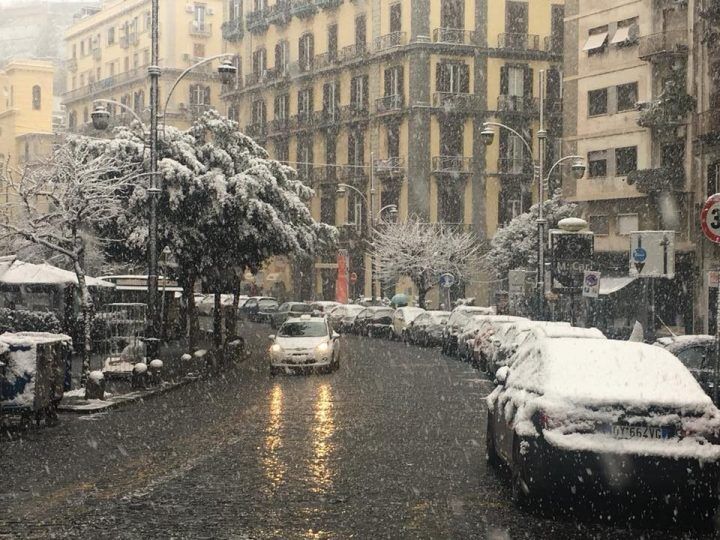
x: 490, y: 451
x: 522, y: 496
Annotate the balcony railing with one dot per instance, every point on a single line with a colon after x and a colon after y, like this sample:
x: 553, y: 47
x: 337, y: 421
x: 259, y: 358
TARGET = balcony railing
x: 328, y: 4
x: 354, y: 111
x: 279, y: 13
x: 257, y: 21
x: 457, y: 36
x: 352, y: 52
x: 665, y: 43
x: 656, y: 180
x: 454, y: 165
x: 303, y: 119
x: 252, y: 79
x: 553, y: 44
x: 392, y: 166
x: 233, y: 30
x: 708, y: 123
x: 256, y: 130
x: 305, y: 64
x: 303, y: 8
x: 198, y: 109
x: 277, y: 73
x: 200, y: 29
x: 553, y: 106
x: 278, y: 126
x: 325, y: 59
x: 519, y: 42
x: 107, y: 83
x: 455, y: 102
x: 327, y: 117
x: 389, y: 41
x: 389, y: 104
x: 72, y: 64
x: 517, y: 104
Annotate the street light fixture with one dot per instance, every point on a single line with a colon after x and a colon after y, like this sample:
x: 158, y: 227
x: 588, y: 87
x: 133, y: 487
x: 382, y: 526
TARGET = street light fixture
x: 487, y: 135
x: 100, y: 117
x: 578, y: 168
x: 227, y: 71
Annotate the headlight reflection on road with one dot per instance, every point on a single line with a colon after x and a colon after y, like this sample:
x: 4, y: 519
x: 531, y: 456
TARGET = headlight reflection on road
x: 323, y: 431
x: 274, y: 467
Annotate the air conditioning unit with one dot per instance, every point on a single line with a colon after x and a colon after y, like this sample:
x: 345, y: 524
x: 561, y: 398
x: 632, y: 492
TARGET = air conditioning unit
x: 189, y: 8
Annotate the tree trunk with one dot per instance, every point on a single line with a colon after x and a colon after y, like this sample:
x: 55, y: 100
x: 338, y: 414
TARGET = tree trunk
x: 188, y: 285
x: 235, y: 304
x: 217, y: 321
x: 86, y: 304
x: 421, y: 297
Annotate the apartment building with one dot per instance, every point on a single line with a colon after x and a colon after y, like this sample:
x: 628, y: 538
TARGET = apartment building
x: 394, y: 95
x: 109, y: 53
x: 628, y: 108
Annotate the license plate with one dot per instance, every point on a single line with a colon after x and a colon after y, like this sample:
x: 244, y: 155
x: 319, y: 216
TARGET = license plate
x: 640, y: 432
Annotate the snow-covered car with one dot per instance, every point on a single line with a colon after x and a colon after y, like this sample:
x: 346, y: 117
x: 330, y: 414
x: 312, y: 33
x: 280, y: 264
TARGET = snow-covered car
x: 304, y: 342
x: 459, y: 317
x: 342, y: 317
x: 362, y: 319
x: 469, y: 333
x: 480, y: 347
x: 403, y: 317
x: 505, y: 342
x: 324, y: 307
x: 286, y: 311
x: 380, y: 323
x: 596, y: 416
x: 426, y: 329
x: 697, y: 353
x: 257, y: 305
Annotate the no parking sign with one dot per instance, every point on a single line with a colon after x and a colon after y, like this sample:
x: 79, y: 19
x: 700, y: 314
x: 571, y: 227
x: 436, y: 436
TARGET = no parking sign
x: 591, y: 284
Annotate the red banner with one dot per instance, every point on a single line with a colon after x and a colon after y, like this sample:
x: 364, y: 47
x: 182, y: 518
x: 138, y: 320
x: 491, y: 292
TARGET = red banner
x: 341, y: 284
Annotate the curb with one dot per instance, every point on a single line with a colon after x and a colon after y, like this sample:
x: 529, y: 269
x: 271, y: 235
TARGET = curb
x: 92, y: 408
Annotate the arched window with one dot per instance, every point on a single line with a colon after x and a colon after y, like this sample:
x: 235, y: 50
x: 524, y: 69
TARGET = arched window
x: 36, y: 97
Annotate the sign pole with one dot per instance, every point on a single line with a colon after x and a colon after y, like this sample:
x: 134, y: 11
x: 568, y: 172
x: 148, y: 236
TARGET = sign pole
x: 716, y: 367
x: 710, y: 225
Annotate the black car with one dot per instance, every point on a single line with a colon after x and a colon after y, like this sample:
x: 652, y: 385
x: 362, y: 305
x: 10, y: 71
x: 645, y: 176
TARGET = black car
x: 380, y: 323
x: 426, y: 329
x: 257, y: 307
x: 361, y: 321
x: 287, y: 310
x: 697, y: 353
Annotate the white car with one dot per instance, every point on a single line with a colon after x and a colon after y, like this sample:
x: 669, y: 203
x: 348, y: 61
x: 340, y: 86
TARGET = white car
x: 304, y: 343
x: 403, y: 317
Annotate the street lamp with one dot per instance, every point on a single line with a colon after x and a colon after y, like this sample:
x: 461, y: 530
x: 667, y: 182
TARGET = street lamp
x: 100, y: 117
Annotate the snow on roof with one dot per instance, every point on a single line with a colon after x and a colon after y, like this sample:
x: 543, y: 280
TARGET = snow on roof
x: 32, y: 338
x: 606, y: 372
x: 476, y: 309
x: 24, y: 273
x: 570, y: 332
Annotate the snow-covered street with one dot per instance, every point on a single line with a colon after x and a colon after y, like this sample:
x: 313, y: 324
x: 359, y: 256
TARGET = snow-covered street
x: 389, y: 446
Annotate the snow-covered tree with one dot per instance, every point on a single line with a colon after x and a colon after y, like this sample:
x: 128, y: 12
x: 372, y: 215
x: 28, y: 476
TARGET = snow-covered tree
x: 58, y: 204
x: 422, y: 252
x: 515, y: 245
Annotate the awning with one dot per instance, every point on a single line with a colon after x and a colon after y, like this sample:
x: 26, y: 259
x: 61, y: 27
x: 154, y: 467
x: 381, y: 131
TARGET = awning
x: 595, y: 41
x: 610, y: 285
x: 621, y: 35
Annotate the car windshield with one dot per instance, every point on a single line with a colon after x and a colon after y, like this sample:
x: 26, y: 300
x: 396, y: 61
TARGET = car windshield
x: 265, y: 304
x: 301, y: 308
x: 303, y: 329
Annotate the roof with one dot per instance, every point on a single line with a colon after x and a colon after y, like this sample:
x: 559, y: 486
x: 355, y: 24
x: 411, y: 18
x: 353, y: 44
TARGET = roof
x: 676, y: 343
x: 32, y: 338
x: 25, y: 273
x: 606, y: 372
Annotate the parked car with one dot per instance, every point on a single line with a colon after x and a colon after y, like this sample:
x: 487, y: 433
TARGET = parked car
x: 403, y: 317
x: 426, y: 329
x: 380, y: 323
x: 362, y: 319
x: 582, y: 417
x: 304, y: 343
x: 697, y: 353
x: 469, y: 333
x: 459, y: 317
x: 287, y: 310
x: 479, y: 345
x: 255, y: 305
x: 324, y: 307
x: 505, y: 342
x: 342, y: 317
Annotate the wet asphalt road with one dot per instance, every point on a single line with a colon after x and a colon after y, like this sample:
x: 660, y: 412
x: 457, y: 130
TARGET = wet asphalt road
x: 390, y: 446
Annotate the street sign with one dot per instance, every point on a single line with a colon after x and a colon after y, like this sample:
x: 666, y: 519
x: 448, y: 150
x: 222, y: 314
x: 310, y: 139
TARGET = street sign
x: 591, y: 284
x: 571, y: 254
x: 652, y: 254
x: 447, y: 281
x: 710, y: 218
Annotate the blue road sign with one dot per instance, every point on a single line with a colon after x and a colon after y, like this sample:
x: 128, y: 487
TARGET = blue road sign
x: 447, y: 281
x: 639, y: 254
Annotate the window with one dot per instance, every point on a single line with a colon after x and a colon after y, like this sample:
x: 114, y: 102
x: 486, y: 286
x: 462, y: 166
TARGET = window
x: 332, y: 41
x: 258, y: 112
x: 452, y: 14
x: 597, y: 102
x: 282, y: 149
x: 452, y: 77
x: 282, y: 56
x: 74, y: 50
x: 86, y: 115
x: 306, y: 52
x: 305, y: 103
x: 72, y: 120
x: 627, y: 96
x: 625, y: 160
x: 600, y: 225
x: 597, y: 164
x: 394, y: 81
x: 359, y: 92
x: 199, y: 50
x: 111, y: 35
x: 516, y: 80
x: 360, y: 32
x: 259, y: 63
x: 139, y: 101
x: 235, y: 9
x: 597, y: 40
x: 98, y: 74
x: 395, y: 18
x: 199, y: 21
x: 331, y: 98
x: 199, y: 95
x: 282, y: 106
x: 626, y: 33
x: 356, y: 148
x: 327, y: 204
x: 305, y: 157
x: 36, y: 98
x: 136, y: 60
x: 233, y: 112
x: 393, y: 140
x: 147, y: 21
x: 627, y: 223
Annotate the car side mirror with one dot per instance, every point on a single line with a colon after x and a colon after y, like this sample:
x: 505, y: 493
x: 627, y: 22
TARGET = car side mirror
x: 501, y: 375
x: 335, y: 335
x: 271, y: 336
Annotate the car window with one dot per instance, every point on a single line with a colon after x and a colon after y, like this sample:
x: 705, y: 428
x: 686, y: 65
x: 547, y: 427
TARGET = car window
x: 267, y: 303
x: 692, y: 357
x: 251, y: 303
x: 301, y: 308
x: 303, y: 329
x: 284, y: 307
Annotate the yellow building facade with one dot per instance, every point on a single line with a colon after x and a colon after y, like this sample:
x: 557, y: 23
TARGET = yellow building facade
x: 393, y: 95
x: 109, y: 53
x: 26, y: 112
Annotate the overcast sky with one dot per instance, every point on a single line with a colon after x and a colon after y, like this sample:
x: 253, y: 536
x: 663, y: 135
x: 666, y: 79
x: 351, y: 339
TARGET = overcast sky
x: 5, y: 3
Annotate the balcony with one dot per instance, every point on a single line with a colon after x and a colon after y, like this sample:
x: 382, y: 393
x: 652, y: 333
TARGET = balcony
x: 328, y: 117
x: 325, y: 60
x: 391, y: 167
x: 303, y: 120
x: 196, y: 110
x: 328, y: 4
x: 518, y: 104
x: 663, y: 45
x: 656, y: 180
x: 353, y: 174
x: 354, y: 112
x: 305, y: 64
x: 553, y: 44
x: 279, y: 13
x: 455, y: 36
x: 71, y: 64
x: 233, y: 30
x: 353, y: 52
x: 390, y: 41
x: 519, y: 42
x: 307, y: 174
x: 257, y: 22
x: 666, y: 114
x: 251, y: 79
x: 277, y: 73
x: 451, y: 165
x: 124, y: 42
x: 200, y: 29
x: 256, y: 131
x: 279, y: 126
x: 303, y: 8
x: 327, y: 174
x: 455, y: 102
x: 707, y: 124
x: 389, y: 104
x: 553, y: 106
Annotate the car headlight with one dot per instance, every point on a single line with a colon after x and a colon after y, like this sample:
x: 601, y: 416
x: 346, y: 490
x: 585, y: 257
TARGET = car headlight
x: 276, y: 348
x: 323, y: 347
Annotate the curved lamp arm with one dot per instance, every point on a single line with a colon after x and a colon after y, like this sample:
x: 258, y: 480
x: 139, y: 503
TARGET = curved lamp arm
x: 182, y: 76
x: 124, y: 108
x: 527, y: 145
x: 558, y: 162
x: 356, y: 190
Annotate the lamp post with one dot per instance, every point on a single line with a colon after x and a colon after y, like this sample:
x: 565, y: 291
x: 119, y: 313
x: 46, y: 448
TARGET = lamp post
x: 578, y: 168
x: 101, y: 119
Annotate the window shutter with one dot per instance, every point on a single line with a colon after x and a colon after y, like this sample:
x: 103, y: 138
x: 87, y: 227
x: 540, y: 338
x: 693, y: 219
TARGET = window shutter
x: 464, y: 79
x: 301, y: 50
x: 439, y: 79
x: 528, y: 81
x: 326, y: 97
x: 504, y: 83
x: 388, y: 82
x: 206, y: 95
x: 400, y: 80
x: 353, y: 91
x: 365, y: 98
x: 311, y: 47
